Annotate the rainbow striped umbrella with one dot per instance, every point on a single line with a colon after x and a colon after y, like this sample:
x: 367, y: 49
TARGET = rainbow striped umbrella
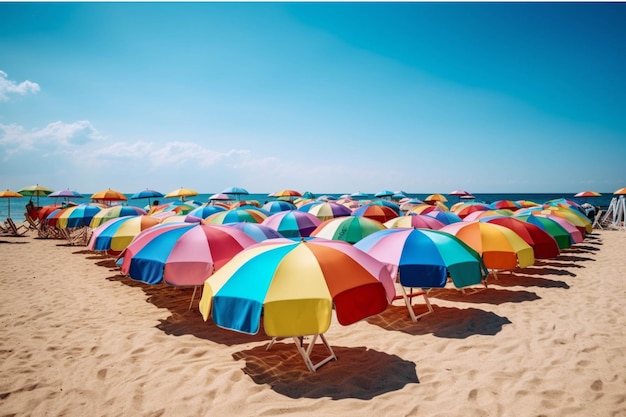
x: 236, y: 215
x: 376, y: 212
x: 113, y: 212
x: 414, y: 221
x: 349, y: 229
x: 292, y: 223
x: 116, y: 234
x: 326, y: 210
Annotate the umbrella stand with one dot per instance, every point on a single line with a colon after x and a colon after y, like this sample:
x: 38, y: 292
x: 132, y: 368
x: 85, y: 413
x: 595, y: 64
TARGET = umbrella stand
x: 407, y: 300
x: 306, y: 352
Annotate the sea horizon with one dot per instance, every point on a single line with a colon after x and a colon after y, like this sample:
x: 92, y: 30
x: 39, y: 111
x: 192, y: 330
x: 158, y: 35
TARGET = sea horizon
x: 17, y: 205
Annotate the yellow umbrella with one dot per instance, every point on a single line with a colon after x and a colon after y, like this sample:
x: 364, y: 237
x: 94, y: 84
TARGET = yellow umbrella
x: 9, y: 194
x: 181, y: 193
x: 109, y: 195
x: 436, y: 198
x: 621, y: 191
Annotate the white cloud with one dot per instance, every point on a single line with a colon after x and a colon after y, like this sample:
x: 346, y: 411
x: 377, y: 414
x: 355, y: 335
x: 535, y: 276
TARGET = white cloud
x: 56, y: 136
x: 11, y: 87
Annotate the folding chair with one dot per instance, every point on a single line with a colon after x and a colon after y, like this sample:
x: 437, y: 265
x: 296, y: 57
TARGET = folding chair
x: 15, y: 230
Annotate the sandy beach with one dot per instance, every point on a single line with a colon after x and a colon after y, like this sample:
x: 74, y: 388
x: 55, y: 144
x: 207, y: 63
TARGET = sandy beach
x: 78, y: 339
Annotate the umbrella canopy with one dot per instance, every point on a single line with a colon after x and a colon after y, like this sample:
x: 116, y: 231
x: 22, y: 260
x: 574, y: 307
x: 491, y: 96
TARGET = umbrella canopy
x: 112, y: 212
x: 66, y: 194
x: 147, y: 193
x: 574, y: 216
x: 463, y: 209
x: 236, y: 191
x: 500, y: 248
x: 359, y: 196
x: 181, y: 193
x: 444, y: 217
x: 285, y: 194
x: 384, y: 193
x: 8, y: 194
x: 459, y: 193
x: 476, y: 215
x: 292, y: 223
x: 116, y: 234
x: 278, y: 206
x: 505, y: 205
x: 376, y: 212
x: 258, y: 232
x: 543, y: 244
x: 587, y: 194
x: 395, y: 207
x: 349, y: 229
x: 236, y: 215
x: 294, y: 286
x: 577, y: 235
x: 426, y: 208
x: 326, y: 210
x: 420, y: 221
x: 219, y: 197
x: 35, y: 191
x: 183, y: 255
x: 205, y: 211
x: 563, y: 239
x: 424, y: 258
x: 621, y: 191
x: 436, y: 198
x: 108, y: 196
x: 178, y: 207
x: 74, y: 216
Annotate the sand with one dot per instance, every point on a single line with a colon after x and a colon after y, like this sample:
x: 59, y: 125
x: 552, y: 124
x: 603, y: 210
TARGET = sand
x: 78, y: 339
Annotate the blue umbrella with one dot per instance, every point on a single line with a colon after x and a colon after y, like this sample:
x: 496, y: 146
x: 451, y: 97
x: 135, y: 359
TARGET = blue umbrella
x: 238, y: 191
x: 146, y: 194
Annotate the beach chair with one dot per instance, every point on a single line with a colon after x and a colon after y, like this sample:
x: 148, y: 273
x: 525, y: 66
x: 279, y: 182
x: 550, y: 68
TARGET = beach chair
x: 14, y: 229
x: 306, y: 351
x: 409, y: 303
x: 597, y: 220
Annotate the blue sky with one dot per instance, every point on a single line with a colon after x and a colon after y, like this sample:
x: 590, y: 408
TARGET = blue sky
x: 324, y: 97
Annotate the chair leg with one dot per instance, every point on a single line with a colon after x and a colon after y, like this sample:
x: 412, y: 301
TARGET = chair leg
x: 409, y: 304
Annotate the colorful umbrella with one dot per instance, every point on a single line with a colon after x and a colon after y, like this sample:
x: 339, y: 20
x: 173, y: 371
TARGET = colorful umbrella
x: 109, y: 195
x: 237, y: 191
x: 182, y: 255
x: 75, y: 216
x: 181, y: 193
x: 414, y: 221
x: 236, y: 215
x: 205, y: 211
x: 219, y: 197
x: 395, y: 207
x: 500, y: 248
x: 258, y: 232
x: 349, y: 229
x: 326, y: 210
x: 459, y: 193
x: 563, y: 238
x: 292, y: 223
x: 116, y: 234
x: 278, y: 206
x: 424, y: 259
x: 575, y: 217
x: 587, y: 194
x: 295, y: 287
x: 444, y: 217
x: 285, y: 194
x: 376, y: 212
x: 621, y: 191
x: 66, y: 194
x: 487, y: 213
x: 463, y: 209
x: 427, y: 208
x: 505, y: 204
x: 178, y: 207
x: 436, y: 198
x: 9, y: 194
x: 543, y: 244
x: 35, y: 191
x: 112, y: 212
x: 577, y: 235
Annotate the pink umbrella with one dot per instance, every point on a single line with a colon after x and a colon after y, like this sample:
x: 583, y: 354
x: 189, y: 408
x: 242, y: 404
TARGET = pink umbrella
x: 293, y: 223
x: 417, y: 221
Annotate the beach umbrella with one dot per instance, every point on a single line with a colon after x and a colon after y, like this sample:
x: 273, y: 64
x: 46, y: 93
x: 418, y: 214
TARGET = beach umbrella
x: 76, y: 216
x: 65, y: 194
x: 420, y: 221
x: 182, y: 255
x: 384, y: 193
x: 147, y: 193
x: 505, y: 205
x: 205, y: 211
x: 349, y: 229
x: 408, y: 203
x: 463, y: 209
x: 9, y: 194
x: 236, y: 215
x: 278, y: 206
x: 35, y: 191
x: 587, y: 194
x: 178, y: 207
x: 359, y: 196
x: 289, y: 194
x: 543, y: 244
x: 219, y: 197
x: 476, y: 215
x: 426, y: 208
x: 109, y: 195
x: 578, y: 219
x: 433, y: 198
x: 181, y: 193
x: 112, y: 212
x: 292, y: 223
x: 563, y: 239
x: 376, y: 212
x: 258, y: 232
x: 295, y: 287
x: 444, y: 217
x: 621, y: 191
x: 326, y: 210
x: 575, y: 233
x: 114, y: 235
x: 459, y: 193
x: 424, y: 259
x: 395, y: 207
x: 500, y: 247
x: 236, y: 191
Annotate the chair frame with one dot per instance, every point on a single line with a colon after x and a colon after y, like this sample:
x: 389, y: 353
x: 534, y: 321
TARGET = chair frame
x: 305, y: 351
x: 14, y: 229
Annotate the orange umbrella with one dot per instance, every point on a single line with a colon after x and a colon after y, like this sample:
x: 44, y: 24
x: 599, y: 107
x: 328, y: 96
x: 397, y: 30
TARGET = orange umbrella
x: 587, y: 194
x: 109, y: 195
x: 621, y: 191
x: 9, y: 194
x: 436, y: 198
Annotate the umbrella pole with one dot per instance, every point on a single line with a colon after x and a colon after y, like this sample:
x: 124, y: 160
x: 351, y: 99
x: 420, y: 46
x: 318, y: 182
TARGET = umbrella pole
x: 195, y: 287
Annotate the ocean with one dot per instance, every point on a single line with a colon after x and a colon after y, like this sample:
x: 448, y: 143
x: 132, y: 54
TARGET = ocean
x: 17, y: 205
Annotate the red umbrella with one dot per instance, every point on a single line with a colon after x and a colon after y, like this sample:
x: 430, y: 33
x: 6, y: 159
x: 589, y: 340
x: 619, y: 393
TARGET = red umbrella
x: 543, y: 244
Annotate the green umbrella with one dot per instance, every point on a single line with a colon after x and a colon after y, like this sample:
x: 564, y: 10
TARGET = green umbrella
x: 35, y: 190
